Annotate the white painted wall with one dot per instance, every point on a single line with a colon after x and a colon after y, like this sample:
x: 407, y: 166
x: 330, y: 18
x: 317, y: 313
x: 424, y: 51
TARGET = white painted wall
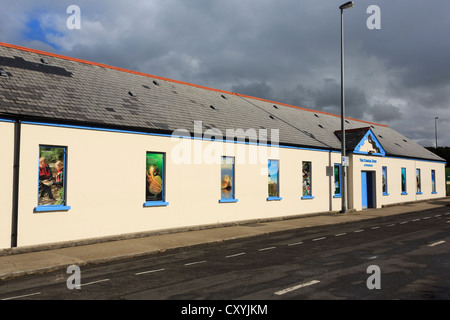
x: 6, y: 182
x: 106, y: 185
x: 394, y: 166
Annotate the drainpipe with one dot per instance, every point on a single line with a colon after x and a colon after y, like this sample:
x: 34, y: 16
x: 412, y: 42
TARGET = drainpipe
x: 15, y: 204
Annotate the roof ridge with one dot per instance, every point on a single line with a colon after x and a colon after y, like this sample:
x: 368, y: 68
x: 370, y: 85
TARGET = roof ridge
x: 59, y: 56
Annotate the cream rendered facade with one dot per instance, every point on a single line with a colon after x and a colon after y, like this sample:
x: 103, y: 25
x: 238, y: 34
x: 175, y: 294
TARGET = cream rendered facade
x: 394, y: 166
x: 106, y: 191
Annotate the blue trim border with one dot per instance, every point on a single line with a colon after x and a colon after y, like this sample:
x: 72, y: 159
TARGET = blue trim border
x: 404, y: 193
x: 274, y: 198
x: 155, y: 204
x: 357, y: 149
x: 228, y: 200
x: 308, y: 197
x: 51, y: 208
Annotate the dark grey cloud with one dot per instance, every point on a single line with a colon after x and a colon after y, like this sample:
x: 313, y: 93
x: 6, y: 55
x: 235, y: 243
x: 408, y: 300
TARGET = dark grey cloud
x: 287, y: 50
x: 254, y: 89
x: 385, y: 112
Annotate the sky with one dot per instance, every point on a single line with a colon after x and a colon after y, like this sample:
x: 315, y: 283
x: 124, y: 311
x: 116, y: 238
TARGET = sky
x: 288, y: 51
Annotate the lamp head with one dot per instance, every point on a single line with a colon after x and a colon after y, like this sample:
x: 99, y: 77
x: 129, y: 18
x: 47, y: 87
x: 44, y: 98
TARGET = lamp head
x: 347, y: 5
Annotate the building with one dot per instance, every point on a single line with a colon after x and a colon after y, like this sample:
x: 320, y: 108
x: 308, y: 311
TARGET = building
x: 91, y: 151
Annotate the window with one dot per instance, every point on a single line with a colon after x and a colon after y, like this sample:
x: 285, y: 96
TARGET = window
x: 307, y: 180
x: 418, y: 182
x: 155, y: 179
x: 384, y: 181
x: 433, y: 182
x: 52, y: 179
x: 227, y: 181
x: 337, y: 181
x: 274, y: 180
x: 403, y: 177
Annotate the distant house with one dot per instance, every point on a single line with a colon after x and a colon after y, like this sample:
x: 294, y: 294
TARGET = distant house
x: 91, y: 151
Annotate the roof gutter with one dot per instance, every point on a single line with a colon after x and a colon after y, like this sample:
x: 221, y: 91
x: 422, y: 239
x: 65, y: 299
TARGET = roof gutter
x: 15, y: 204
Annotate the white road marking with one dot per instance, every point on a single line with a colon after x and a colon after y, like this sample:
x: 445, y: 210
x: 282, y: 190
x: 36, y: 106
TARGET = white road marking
x: 317, y: 239
x: 295, y: 244
x: 438, y: 215
x: 93, y: 282
x: 235, y: 255
x: 404, y: 222
x: 340, y: 234
x: 150, y: 271
x: 192, y: 263
x: 269, y: 248
x: 416, y: 219
x: 436, y: 243
x: 372, y: 258
x: 290, y: 289
x: 391, y: 225
x: 426, y: 218
x: 358, y: 231
x: 373, y: 228
x: 24, y: 296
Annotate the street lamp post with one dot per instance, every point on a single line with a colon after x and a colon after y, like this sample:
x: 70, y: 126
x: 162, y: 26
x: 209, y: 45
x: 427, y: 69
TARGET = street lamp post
x: 435, y: 130
x: 346, y: 5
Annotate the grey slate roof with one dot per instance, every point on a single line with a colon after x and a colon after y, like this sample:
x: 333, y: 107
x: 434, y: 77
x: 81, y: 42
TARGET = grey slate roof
x: 73, y: 91
x: 352, y: 137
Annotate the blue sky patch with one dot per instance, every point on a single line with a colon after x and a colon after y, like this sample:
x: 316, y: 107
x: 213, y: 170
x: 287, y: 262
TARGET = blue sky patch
x: 35, y: 32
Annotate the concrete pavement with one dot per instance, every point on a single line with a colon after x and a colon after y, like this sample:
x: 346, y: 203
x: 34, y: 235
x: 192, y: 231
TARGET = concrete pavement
x: 23, y: 261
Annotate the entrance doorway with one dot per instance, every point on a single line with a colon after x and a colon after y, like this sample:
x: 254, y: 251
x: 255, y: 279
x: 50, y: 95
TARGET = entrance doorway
x: 368, y: 189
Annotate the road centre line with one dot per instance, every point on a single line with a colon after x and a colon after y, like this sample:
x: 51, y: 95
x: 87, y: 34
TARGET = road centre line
x: 192, y: 263
x: 438, y: 215
x: 426, y: 218
x: 436, y: 243
x: 318, y: 239
x: 340, y: 234
x: 93, y: 282
x: 377, y: 227
x: 23, y: 296
x: 290, y: 289
x: 295, y: 244
x: 235, y: 255
x: 391, y: 225
x: 269, y: 248
x: 415, y: 219
x: 362, y: 230
x: 150, y: 271
x: 404, y: 222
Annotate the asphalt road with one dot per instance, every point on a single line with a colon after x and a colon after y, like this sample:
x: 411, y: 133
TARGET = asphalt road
x: 411, y: 250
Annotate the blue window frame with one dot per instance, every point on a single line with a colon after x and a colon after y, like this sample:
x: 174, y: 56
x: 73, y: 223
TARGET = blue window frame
x: 274, y: 180
x: 384, y: 182
x: 337, y: 181
x: 403, y: 181
x: 307, y: 180
x: 227, y: 180
x: 433, y: 181
x: 418, y: 182
x: 52, y: 179
x: 155, y: 191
